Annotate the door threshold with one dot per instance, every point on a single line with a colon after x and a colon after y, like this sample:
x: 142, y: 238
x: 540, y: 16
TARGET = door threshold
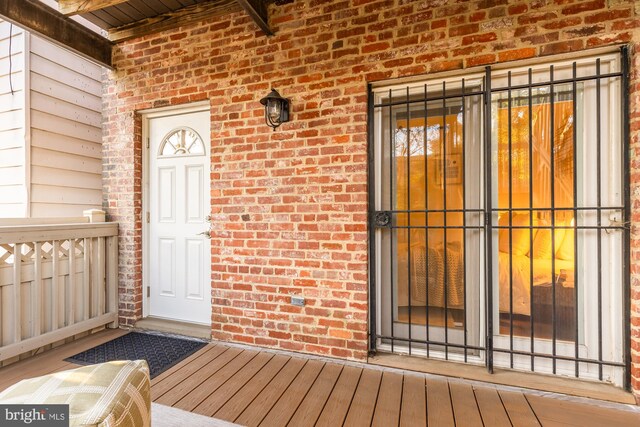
x: 530, y: 380
x: 174, y: 327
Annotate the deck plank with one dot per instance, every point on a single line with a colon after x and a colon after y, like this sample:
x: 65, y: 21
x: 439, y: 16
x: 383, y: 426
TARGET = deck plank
x: 439, y: 409
x: 218, y: 398
x: 52, y: 360
x: 288, y: 403
x: 194, y: 397
x: 518, y: 409
x: 52, y: 370
x: 337, y: 406
x: 193, y: 381
x: 159, y: 388
x: 491, y: 409
x: 239, y: 402
x: 414, y: 402
x: 465, y: 408
x: 262, y: 404
x: 556, y: 411
x: 311, y: 407
x: 387, y: 411
x: 364, y: 401
x: 64, y: 367
x: 184, y: 363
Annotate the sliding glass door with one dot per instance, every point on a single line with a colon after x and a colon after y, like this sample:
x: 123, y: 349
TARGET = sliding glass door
x: 557, y: 210
x: 498, y: 218
x: 429, y: 222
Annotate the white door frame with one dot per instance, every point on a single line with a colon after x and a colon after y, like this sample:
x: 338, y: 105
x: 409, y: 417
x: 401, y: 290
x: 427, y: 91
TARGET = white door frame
x: 147, y: 115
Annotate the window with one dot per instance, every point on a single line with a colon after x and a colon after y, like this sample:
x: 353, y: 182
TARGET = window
x: 181, y: 142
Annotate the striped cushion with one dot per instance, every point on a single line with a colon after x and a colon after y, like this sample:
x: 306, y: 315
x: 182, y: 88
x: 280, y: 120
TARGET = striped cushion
x: 104, y: 395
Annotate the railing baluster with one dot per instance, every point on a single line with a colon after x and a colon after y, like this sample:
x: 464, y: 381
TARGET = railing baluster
x: 101, y: 280
x: 71, y: 300
x: 112, y: 278
x: 36, y: 291
x: 55, y: 288
x: 86, y: 280
x: 95, y: 277
x: 17, y: 300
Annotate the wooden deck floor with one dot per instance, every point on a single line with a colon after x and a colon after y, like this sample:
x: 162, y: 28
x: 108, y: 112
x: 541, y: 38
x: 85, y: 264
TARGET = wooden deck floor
x: 263, y: 388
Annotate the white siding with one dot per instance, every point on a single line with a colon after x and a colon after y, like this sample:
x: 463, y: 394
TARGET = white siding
x: 50, y: 129
x: 13, y: 153
x: 66, y: 115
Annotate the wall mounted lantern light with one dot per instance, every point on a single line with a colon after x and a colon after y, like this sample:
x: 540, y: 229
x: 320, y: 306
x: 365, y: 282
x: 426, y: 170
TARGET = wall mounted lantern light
x: 276, y: 109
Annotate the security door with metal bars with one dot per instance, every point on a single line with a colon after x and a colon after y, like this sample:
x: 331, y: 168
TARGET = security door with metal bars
x: 498, y: 209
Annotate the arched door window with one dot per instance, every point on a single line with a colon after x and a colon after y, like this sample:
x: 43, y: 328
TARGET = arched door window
x: 183, y: 141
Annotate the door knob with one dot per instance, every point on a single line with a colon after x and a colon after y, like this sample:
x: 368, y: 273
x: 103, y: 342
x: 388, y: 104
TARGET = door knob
x: 207, y: 234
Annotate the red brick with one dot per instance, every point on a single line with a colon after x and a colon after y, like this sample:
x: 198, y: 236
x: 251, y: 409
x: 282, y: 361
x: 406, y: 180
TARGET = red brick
x: 375, y: 47
x: 440, y: 23
x: 511, y: 55
x: 609, y: 39
x: 497, y: 12
x: 517, y: 9
x: 479, y: 38
x: 562, y: 23
x: 584, y: 6
x: 445, y: 66
x: 463, y: 30
x: 481, y: 60
x: 536, y: 17
x: 625, y: 24
x: 609, y: 15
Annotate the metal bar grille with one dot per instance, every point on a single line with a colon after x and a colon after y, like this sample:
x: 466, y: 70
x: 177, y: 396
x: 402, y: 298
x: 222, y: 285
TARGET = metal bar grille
x: 530, y: 148
x: 391, y: 198
x: 444, y: 169
x: 435, y: 118
x: 553, y: 219
x: 464, y: 224
x: 585, y: 235
x: 426, y: 222
x: 574, y: 92
x: 488, y: 222
x: 541, y: 145
x: 372, y: 232
x: 626, y: 271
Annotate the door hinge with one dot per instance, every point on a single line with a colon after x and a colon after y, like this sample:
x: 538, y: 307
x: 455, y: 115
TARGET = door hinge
x: 148, y: 217
x: 148, y: 291
x: 147, y: 142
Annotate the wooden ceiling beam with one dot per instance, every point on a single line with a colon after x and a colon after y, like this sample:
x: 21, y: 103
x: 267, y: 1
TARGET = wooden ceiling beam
x: 259, y: 12
x: 38, y: 18
x: 169, y: 20
x: 77, y: 7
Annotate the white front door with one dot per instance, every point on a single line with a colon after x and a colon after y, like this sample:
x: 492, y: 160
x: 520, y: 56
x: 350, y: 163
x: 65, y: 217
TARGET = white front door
x: 179, y: 202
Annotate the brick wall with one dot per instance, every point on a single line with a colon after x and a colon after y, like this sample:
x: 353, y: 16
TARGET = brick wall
x: 122, y: 200
x: 289, y: 207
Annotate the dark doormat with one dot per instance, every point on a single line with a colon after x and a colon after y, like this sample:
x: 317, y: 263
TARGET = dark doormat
x: 161, y: 352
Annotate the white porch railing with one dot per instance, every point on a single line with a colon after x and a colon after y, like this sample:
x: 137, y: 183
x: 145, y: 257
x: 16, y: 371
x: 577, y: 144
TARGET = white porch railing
x: 56, y: 281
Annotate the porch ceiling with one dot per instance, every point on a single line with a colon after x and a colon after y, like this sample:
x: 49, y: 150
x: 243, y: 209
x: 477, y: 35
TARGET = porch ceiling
x: 108, y: 14
x: 121, y: 19
x: 125, y: 19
